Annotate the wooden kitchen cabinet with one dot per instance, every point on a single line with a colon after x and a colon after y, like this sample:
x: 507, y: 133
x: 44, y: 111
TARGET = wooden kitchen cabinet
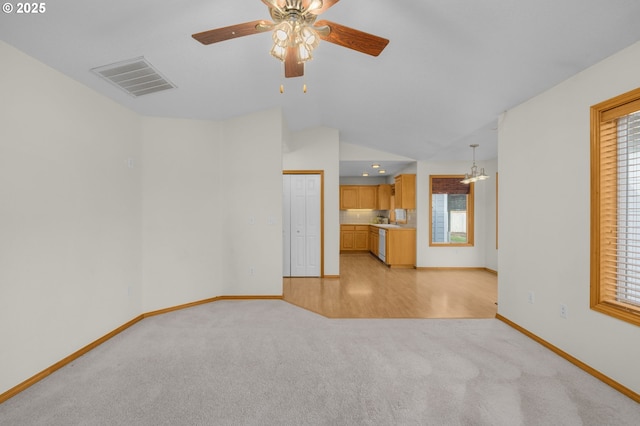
x: 401, y: 248
x: 354, y: 238
x: 384, y: 197
x: 358, y: 197
x: 405, y: 187
x: 362, y: 238
x: 368, y: 197
x: 374, y: 239
x: 349, y: 197
x: 347, y: 238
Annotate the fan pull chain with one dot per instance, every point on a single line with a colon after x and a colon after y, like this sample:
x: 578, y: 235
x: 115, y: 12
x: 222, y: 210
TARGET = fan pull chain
x: 304, y: 81
x: 283, y: 73
x: 304, y: 88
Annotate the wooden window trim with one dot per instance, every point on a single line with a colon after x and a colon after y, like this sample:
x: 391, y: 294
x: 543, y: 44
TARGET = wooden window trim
x: 470, y: 214
x: 601, y: 203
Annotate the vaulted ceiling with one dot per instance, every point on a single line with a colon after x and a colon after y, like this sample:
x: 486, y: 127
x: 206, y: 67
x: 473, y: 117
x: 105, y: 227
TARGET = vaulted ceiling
x: 450, y: 69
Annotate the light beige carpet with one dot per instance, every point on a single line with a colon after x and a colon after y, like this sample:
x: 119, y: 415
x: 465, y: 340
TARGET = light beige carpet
x: 271, y: 363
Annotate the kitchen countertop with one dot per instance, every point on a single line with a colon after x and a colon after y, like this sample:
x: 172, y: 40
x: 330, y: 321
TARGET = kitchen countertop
x: 383, y: 225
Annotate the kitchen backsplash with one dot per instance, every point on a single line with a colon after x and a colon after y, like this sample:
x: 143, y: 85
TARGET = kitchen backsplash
x: 363, y: 216
x: 412, y: 220
x: 370, y: 216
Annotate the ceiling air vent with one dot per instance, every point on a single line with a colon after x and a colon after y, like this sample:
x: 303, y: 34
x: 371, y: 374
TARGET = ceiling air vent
x: 137, y: 77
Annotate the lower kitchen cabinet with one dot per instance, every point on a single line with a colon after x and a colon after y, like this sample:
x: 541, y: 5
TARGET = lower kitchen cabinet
x: 400, y: 246
x: 374, y: 239
x: 354, y: 237
x: 362, y: 238
x: 400, y: 243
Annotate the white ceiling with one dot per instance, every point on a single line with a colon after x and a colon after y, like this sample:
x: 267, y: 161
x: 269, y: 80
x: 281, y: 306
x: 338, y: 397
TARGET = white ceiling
x: 450, y: 69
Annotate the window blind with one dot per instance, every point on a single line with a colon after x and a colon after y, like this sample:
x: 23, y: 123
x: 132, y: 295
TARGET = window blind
x: 447, y: 185
x: 627, y: 286
x: 619, y: 206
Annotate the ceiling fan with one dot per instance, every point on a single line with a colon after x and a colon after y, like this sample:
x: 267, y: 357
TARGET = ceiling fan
x: 296, y: 33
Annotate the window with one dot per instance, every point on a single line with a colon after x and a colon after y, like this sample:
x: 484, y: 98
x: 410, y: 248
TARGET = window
x: 451, y: 212
x: 615, y: 207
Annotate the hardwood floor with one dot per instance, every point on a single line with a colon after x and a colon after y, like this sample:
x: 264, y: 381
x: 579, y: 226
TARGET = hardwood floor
x: 368, y: 289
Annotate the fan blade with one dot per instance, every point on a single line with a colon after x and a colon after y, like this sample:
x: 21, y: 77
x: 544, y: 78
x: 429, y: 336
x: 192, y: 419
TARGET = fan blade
x: 326, y: 4
x: 292, y: 66
x: 353, y: 39
x: 234, y: 31
x: 311, y: 5
x: 274, y: 4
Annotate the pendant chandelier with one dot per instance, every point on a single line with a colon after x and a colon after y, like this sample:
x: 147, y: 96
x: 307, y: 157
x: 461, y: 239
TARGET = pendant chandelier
x: 474, y: 175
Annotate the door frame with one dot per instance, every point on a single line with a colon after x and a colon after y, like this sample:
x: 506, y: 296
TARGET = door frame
x: 321, y: 173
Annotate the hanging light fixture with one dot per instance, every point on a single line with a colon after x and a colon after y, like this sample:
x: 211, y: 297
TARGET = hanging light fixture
x: 474, y: 175
x: 281, y: 35
x: 295, y: 29
x: 296, y: 33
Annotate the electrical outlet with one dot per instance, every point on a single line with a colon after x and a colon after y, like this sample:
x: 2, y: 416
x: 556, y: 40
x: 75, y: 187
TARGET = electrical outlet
x: 564, y: 311
x: 530, y: 297
x: 252, y: 270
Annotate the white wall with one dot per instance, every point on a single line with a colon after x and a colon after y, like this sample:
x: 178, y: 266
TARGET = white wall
x: 69, y: 216
x: 182, y: 212
x: 489, y: 226
x: 89, y: 243
x: 251, y: 204
x: 212, y: 209
x: 545, y: 223
x: 319, y: 149
x: 482, y: 254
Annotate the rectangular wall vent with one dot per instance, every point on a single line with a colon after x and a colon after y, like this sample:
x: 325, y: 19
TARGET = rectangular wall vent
x: 136, y: 76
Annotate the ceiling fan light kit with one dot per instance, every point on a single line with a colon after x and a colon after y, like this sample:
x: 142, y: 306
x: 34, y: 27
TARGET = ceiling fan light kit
x: 296, y: 34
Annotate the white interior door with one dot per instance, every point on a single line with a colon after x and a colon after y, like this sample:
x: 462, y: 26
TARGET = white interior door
x: 303, y: 214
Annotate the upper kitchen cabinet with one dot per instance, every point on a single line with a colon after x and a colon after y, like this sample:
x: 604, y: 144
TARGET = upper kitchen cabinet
x: 405, y: 186
x: 358, y: 197
x: 384, y: 197
x: 349, y: 197
x: 368, y: 197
